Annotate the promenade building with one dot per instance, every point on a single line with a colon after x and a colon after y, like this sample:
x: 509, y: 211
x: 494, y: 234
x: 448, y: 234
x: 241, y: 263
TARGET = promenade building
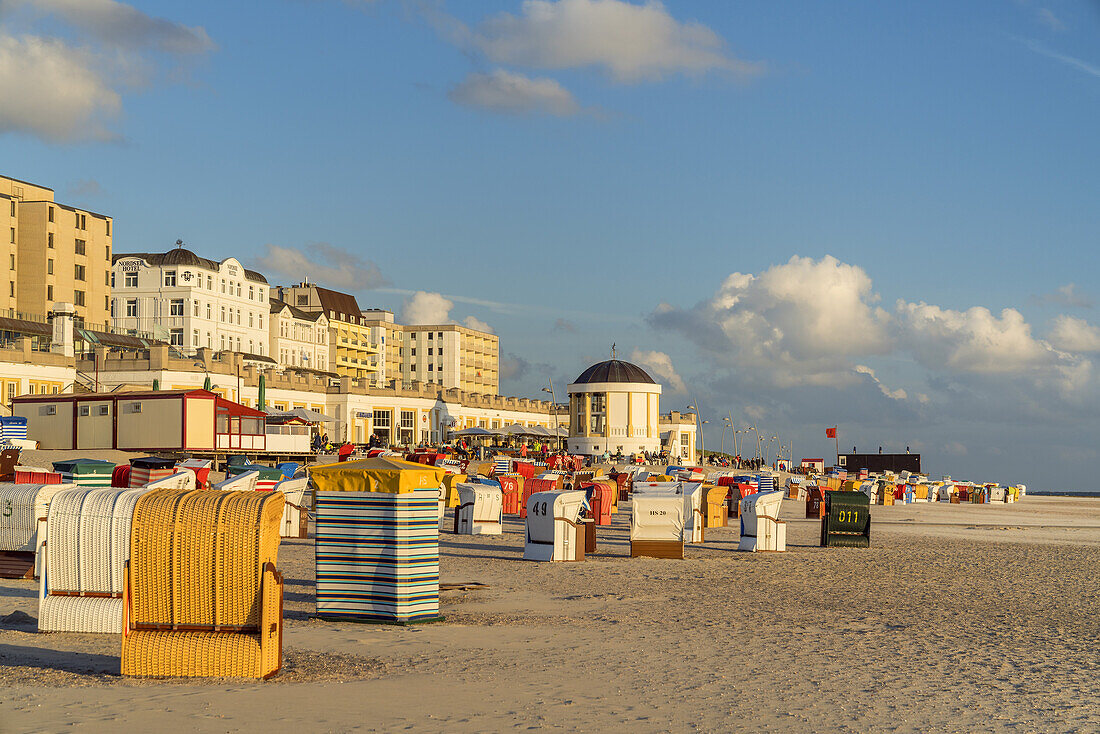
x: 191, y: 301
x: 352, y: 347
x: 299, y: 338
x: 443, y: 354
x: 52, y: 252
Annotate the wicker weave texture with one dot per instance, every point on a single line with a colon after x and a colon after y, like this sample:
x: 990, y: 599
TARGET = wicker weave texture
x: 204, y: 559
x: 20, y: 507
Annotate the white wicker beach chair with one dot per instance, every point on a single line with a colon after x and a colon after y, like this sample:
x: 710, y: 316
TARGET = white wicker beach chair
x: 184, y: 479
x: 479, y: 509
x: 761, y: 529
x: 295, y: 522
x: 657, y: 524
x: 243, y: 482
x: 553, y: 527
x: 87, y: 546
x: 22, y: 506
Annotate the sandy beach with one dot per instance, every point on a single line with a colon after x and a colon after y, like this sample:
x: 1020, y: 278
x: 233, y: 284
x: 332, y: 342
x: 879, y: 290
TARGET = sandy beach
x: 958, y: 618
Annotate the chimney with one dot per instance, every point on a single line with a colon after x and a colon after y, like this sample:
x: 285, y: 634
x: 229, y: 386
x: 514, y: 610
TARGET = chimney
x: 62, y: 317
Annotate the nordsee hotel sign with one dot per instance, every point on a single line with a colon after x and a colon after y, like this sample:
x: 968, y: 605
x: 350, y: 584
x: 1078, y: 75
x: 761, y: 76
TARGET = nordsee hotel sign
x: 130, y: 266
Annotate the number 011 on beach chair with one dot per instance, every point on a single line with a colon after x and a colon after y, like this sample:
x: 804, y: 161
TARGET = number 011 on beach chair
x: 847, y: 520
x: 202, y: 596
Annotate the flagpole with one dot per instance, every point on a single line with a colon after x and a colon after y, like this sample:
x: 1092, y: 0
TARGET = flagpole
x: 836, y: 435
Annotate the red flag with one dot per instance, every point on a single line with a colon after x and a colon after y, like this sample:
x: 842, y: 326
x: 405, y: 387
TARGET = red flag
x: 830, y: 432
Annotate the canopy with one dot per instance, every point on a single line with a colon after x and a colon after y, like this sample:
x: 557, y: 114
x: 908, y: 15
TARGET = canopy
x: 309, y: 416
x: 380, y: 474
x: 476, y: 431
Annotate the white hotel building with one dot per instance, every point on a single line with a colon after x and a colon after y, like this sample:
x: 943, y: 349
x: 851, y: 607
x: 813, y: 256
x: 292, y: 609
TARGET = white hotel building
x: 191, y: 302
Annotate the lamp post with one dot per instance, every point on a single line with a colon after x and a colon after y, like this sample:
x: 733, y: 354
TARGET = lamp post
x: 554, y: 410
x: 700, y: 422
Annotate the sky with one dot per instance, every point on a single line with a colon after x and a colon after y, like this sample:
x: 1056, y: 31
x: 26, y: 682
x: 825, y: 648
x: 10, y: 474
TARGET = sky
x: 880, y: 216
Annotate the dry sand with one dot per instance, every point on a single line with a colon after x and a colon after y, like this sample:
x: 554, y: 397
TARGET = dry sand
x: 957, y: 619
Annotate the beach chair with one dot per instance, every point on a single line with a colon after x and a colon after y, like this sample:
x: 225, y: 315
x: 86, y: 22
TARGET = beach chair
x: 479, y: 510
x: 295, y: 520
x: 23, y: 510
x: 377, y: 541
x: 243, y: 482
x: 542, y: 483
x: 761, y: 528
x: 84, y: 558
x: 511, y: 488
x: 201, y: 467
x: 450, y: 488
x: 202, y: 596
x: 599, y: 496
x: 847, y: 520
x: 85, y: 472
x: 146, y: 469
x: 815, y: 502
x: 554, y: 529
x: 657, y: 525
x: 9, y: 459
x: 716, y: 513
x: 180, y: 480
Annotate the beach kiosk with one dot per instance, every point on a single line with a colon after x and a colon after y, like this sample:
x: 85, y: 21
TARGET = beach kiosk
x: 84, y: 558
x: 21, y: 508
x: 554, y: 528
x: 479, y: 509
x: 761, y: 529
x: 377, y: 540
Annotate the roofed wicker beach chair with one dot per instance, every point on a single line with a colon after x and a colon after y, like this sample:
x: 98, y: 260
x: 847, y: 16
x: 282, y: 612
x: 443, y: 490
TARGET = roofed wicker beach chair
x: 22, y: 508
x: 295, y: 522
x: 84, y: 556
x: 243, y: 482
x: 202, y: 595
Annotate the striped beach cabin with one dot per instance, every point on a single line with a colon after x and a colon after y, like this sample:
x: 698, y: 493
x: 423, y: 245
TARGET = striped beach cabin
x: 377, y: 540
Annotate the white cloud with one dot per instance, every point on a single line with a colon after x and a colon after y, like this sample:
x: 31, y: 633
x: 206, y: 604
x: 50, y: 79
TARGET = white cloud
x: 324, y: 264
x: 660, y: 364
x: 476, y: 323
x: 426, y: 308
x: 630, y: 42
x: 68, y: 86
x: 798, y: 323
x: 52, y: 91
x: 514, y: 94
x: 898, y: 394
x: 1071, y: 61
x: 973, y: 340
x: 124, y: 26
x: 1074, y: 335
x: 1050, y: 20
x: 1067, y: 296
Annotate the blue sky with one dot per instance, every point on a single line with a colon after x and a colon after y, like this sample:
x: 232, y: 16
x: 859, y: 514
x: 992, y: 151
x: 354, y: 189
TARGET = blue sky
x: 582, y: 172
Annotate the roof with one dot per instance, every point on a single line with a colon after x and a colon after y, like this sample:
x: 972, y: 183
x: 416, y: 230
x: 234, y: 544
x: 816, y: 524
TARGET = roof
x: 614, y: 370
x: 342, y: 303
x: 115, y: 340
x: 277, y: 304
x: 74, y: 397
x: 25, y: 327
x: 183, y: 256
x: 249, y: 357
x: 228, y: 406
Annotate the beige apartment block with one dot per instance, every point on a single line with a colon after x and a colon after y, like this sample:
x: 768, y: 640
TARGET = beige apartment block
x: 61, y: 254
x: 352, y: 349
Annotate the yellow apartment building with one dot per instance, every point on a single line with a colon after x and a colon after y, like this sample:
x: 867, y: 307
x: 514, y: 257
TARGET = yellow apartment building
x: 53, y: 253
x: 352, y: 349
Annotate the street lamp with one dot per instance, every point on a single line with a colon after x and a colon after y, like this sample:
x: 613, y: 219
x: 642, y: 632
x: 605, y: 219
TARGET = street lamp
x: 698, y: 416
x: 554, y: 410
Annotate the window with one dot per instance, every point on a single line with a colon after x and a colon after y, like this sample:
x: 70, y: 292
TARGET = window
x: 223, y: 317
x: 209, y: 282
x: 103, y: 410
x: 440, y: 351
x: 412, y: 351
x: 106, y: 302
x: 222, y: 341
x: 49, y: 266
x: 175, y: 308
x: 261, y: 291
x: 303, y: 300
x: 381, y: 419
x: 135, y: 407
x: 169, y: 278
x: 131, y: 307
x: 429, y: 351
x: 250, y: 319
x: 85, y: 410
x: 78, y: 298
x: 11, y: 288
x: 441, y: 335
x: 175, y: 337
x: 49, y: 293
x: 195, y: 338
x: 223, y: 285
x: 408, y: 418
x: 238, y: 290
x: 13, y: 235
x: 129, y: 280
x: 238, y: 317
x: 81, y: 220
x: 108, y: 279
x: 430, y: 367
x: 12, y: 257
x: 81, y: 246
x: 51, y: 216
x: 260, y: 318
x: 196, y: 309
x: 108, y: 234
x: 14, y: 386
x: 209, y: 341
x: 430, y: 335
x: 250, y: 291
x: 79, y: 272
x: 49, y: 237
x: 208, y: 315
x: 13, y: 207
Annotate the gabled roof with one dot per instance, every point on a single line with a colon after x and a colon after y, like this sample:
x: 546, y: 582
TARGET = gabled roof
x: 278, y: 305
x: 342, y: 303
